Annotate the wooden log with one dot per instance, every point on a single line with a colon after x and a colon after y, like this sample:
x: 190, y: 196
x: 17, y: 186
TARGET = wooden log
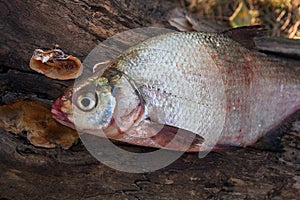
x: 28, y: 172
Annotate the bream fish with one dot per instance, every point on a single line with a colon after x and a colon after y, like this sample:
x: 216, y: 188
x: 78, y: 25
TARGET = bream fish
x: 188, y: 91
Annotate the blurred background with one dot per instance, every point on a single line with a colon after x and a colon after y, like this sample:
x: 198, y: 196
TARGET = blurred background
x: 281, y: 17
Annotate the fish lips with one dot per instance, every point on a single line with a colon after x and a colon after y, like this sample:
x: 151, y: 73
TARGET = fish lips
x: 59, y: 115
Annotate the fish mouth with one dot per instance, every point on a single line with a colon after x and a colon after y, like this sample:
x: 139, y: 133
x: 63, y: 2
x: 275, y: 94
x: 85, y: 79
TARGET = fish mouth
x: 59, y: 115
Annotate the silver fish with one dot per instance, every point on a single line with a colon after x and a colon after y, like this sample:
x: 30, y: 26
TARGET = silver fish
x: 212, y: 88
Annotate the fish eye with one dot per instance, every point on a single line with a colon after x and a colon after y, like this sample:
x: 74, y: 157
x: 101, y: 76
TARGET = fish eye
x: 87, y: 101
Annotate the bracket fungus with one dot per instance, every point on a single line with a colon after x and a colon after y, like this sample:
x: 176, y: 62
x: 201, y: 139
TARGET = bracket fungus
x: 56, y: 64
x: 36, y: 120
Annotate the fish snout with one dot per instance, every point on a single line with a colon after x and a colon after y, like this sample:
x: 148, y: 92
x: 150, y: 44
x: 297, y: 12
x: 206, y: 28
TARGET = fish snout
x: 62, y: 113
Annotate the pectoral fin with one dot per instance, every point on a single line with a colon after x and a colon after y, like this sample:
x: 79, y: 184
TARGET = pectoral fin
x: 163, y: 136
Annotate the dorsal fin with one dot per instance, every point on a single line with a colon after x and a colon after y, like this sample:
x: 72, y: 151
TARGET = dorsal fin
x: 112, y: 47
x: 245, y: 35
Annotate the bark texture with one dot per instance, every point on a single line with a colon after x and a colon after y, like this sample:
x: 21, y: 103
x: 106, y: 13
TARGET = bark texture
x: 27, y: 172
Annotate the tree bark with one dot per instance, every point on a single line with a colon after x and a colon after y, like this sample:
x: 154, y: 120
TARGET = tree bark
x: 28, y: 172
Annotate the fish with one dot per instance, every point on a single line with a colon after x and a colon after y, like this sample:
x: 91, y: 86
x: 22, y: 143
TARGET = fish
x: 184, y: 91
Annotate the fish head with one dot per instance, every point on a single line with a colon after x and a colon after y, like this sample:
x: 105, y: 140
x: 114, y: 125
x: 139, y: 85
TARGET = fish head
x: 101, y: 104
x: 88, y: 105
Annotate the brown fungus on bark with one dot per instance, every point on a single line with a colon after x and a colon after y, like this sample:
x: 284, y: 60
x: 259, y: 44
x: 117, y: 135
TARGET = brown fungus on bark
x: 56, y: 64
x: 36, y: 121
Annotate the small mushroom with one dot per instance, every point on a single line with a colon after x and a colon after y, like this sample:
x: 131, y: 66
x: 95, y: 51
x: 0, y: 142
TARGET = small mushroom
x: 56, y: 64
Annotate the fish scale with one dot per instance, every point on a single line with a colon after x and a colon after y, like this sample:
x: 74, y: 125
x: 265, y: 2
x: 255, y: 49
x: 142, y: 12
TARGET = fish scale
x: 194, y: 91
x: 255, y: 102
